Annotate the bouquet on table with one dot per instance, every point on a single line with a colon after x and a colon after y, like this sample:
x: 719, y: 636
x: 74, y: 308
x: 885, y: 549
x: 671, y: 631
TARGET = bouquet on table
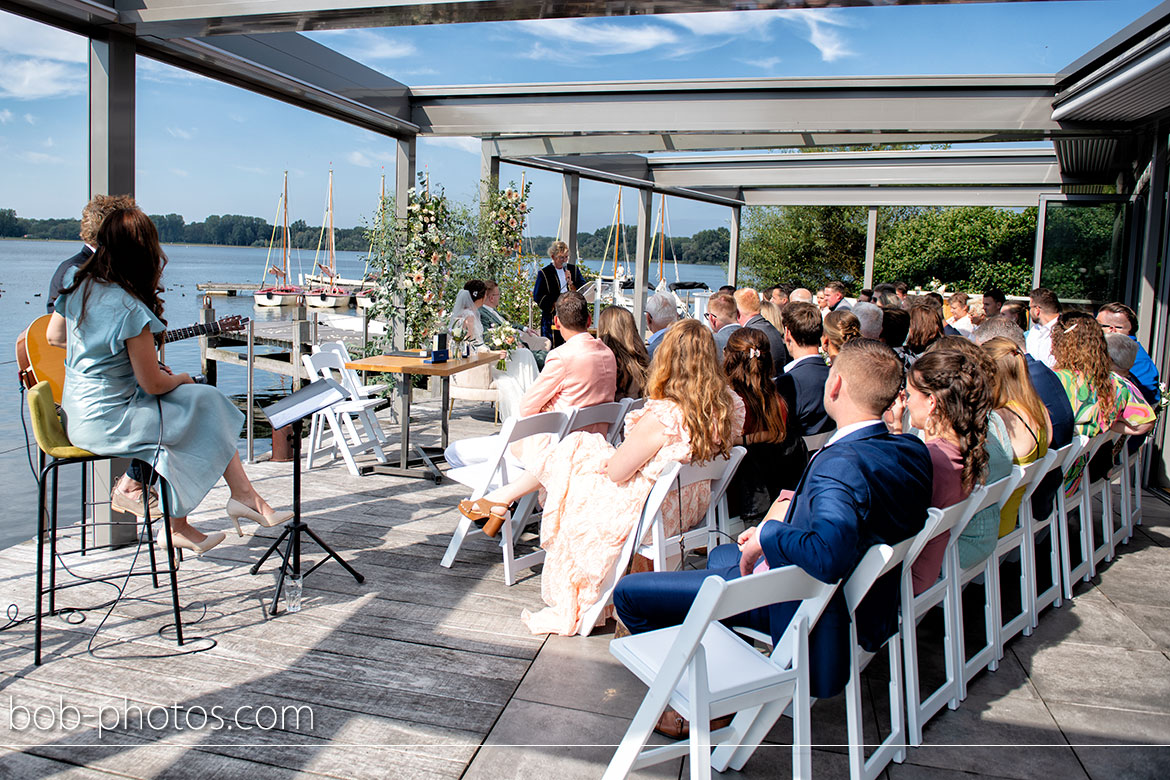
x: 459, y: 334
x: 502, y: 337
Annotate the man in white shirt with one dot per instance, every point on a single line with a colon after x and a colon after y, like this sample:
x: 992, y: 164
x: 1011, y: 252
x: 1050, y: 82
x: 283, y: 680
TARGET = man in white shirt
x: 660, y: 313
x: 1045, y: 308
x: 960, y: 318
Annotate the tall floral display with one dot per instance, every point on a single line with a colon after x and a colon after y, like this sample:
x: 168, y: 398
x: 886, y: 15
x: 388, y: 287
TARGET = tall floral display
x: 501, y: 226
x: 413, y: 259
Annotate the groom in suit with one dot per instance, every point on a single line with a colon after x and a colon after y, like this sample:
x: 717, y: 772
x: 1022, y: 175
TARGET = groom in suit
x: 559, y: 276
x: 865, y: 487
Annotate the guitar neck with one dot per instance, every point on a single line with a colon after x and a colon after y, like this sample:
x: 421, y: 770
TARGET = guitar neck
x: 210, y: 329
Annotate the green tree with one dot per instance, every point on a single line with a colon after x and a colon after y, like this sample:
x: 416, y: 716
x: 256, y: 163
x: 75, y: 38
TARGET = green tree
x: 805, y: 245
x: 1081, y: 251
x: 968, y: 247
x: 9, y: 225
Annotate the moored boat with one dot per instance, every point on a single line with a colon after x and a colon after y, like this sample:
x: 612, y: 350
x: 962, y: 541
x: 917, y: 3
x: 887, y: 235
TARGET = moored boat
x: 329, y: 294
x: 280, y: 293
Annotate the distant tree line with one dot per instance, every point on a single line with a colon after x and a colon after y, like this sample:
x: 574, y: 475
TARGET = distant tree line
x: 707, y: 247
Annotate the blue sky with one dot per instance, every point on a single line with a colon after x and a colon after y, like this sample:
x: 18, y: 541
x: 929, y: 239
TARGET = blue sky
x: 208, y: 148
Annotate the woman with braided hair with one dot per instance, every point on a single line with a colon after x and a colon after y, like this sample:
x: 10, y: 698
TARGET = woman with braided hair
x: 949, y: 401
x: 841, y: 326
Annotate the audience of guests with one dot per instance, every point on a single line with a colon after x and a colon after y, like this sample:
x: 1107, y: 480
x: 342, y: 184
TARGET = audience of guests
x: 926, y: 327
x: 1044, y: 308
x: 869, y: 318
x: 776, y: 455
x: 839, y: 328
x: 865, y: 487
x: 960, y: 318
x: 803, y: 382
x: 617, y: 330
x: 660, y: 313
x: 1119, y: 318
x: 559, y: 276
x: 835, y: 293
x: 1028, y: 424
x: 948, y: 400
x: 723, y: 318
x: 993, y: 301
x: 748, y: 303
x: 691, y: 416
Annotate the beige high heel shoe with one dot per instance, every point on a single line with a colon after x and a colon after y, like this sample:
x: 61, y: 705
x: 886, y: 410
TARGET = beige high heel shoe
x: 236, y: 510
x: 183, y: 543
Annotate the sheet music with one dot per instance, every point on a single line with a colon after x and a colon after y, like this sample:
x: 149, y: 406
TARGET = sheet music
x: 311, y: 398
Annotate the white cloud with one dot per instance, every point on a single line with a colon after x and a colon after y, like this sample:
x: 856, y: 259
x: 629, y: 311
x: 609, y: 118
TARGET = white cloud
x: 251, y: 169
x: 585, y: 38
x: 48, y: 143
x: 180, y: 172
x: 26, y: 38
x: 368, y: 44
x: 180, y: 133
x: 32, y: 120
x: 822, y: 30
x: 368, y: 159
x: 38, y: 158
x: 31, y: 79
x: 764, y: 63
x: 462, y: 143
x: 738, y: 23
x: 161, y: 73
x: 5, y: 116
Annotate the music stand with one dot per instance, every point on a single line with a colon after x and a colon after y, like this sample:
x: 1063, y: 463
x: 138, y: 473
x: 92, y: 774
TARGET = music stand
x: 292, y: 410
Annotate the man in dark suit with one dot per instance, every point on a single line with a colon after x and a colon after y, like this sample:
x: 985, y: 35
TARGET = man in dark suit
x: 803, y: 382
x: 747, y: 302
x: 865, y: 487
x: 91, y: 219
x: 555, y: 278
x: 1051, y: 393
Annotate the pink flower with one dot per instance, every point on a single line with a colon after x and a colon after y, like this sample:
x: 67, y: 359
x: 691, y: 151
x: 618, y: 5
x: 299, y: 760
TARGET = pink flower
x: 511, y: 223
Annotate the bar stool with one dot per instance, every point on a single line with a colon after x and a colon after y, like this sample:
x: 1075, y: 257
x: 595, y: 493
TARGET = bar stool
x: 56, y: 451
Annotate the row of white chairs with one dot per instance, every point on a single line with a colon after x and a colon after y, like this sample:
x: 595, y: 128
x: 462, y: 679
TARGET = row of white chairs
x: 705, y: 671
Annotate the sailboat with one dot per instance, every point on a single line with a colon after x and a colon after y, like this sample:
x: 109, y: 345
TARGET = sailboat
x: 364, y: 297
x: 330, y: 295
x: 280, y: 293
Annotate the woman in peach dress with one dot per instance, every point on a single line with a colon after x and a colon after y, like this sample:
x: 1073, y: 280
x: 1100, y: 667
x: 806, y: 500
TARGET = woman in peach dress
x: 593, y: 493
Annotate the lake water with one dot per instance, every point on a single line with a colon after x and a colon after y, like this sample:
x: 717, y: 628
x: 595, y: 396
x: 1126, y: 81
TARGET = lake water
x: 25, y: 270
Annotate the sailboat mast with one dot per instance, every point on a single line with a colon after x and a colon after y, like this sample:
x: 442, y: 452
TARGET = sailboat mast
x: 662, y: 237
x: 332, y: 248
x: 284, y: 233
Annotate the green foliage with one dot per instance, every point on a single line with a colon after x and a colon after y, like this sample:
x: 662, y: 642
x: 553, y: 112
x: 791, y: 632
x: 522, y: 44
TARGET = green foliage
x: 805, y: 245
x: 10, y: 226
x: 968, y: 248
x: 1081, y: 256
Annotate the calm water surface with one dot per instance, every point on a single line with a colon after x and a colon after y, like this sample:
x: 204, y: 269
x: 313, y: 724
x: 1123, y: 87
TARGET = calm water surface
x: 25, y: 270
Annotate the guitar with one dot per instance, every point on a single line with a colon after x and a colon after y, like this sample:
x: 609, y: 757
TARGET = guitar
x: 39, y: 360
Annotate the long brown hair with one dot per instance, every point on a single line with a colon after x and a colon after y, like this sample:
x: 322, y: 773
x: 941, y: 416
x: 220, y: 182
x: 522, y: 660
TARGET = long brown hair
x: 1012, y: 381
x: 617, y: 330
x: 129, y: 256
x: 686, y: 370
x: 1078, y: 344
x: 926, y: 326
x: 747, y: 361
x: 962, y: 402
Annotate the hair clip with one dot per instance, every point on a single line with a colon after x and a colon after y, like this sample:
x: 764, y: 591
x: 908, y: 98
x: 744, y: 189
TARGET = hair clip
x: 1071, y: 328
x: 753, y: 353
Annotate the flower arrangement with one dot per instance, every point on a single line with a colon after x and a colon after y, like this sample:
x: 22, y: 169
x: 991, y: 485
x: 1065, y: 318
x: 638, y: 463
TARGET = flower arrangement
x: 413, y: 258
x: 498, y: 248
x: 1163, y: 397
x: 502, y: 337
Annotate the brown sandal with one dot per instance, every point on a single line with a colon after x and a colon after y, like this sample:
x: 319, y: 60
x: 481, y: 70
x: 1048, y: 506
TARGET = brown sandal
x: 481, y: 511
x: 675, y: 726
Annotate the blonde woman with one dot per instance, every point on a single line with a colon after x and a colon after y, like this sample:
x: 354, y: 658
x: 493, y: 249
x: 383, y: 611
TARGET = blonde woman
x: 771, y: 312
x: 594, y: 493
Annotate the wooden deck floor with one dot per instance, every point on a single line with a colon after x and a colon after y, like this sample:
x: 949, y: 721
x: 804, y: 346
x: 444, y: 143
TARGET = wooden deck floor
x: 403, y: 675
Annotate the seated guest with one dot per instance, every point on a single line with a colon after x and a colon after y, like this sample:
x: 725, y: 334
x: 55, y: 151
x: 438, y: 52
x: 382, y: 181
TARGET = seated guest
x: 617, y: 330
x: 660, y: 313
x: 926, y: 327
x: 776, y: 455
x: 727, y: 288
x: 884, y: 296
x: 1100, y: 399
x: 839, y: 327
x: 722, y: 316
x: 580, y: 372
x: 895, y: 328
x: 1028, y: 424
x: 993, y: 301
x: 960, y: 318
x: 948, y: 400
x: 748, y: 304
x: 1122, y: 353
x: 595, y: 493
x: 779, y: 295
x: 771, y: 312
x: 865, y: 296
x: 865, y: 487
x: 1017, y: 313
x: 902, y: 291
x: 835, y: 296
x: 869, y: 318
x: 489, y: 318
x: 1119, y: 318
x: 803, y: 382
x: 1044, y: 308
x: 800, y: 295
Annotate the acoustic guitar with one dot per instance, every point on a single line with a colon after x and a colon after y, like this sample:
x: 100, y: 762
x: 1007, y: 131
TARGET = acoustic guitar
x: 38, y: 360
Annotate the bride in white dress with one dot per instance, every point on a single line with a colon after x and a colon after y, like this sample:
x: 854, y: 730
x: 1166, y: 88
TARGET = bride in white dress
x: 520, y: 369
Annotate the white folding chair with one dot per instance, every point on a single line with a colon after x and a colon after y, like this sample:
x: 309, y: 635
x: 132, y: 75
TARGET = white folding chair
x: 985, y: 657
x: 815, y: 441
x: 345, y: 440
x: 610, y: 414
x: 1069, y: 573
x: 1047, y: 530
x: 667, y: 552
x: 919, y: 708
x: 362, y: 390
x: 1102, y: 544
x: 1021, y: 541
x: 498, y: 471
x: 704, y: 670
x: 1131, y: 489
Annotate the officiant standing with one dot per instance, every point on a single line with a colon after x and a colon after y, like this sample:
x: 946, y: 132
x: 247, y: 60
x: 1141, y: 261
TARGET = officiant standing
x: 557, y: 277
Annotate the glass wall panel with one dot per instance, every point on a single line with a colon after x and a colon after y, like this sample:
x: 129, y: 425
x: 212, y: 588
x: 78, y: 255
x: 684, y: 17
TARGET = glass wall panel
x: 1083, y: 254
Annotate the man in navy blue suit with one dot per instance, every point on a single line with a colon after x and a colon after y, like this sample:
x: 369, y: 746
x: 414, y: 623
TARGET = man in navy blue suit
x: 865, y: 487
x: 802, y: 383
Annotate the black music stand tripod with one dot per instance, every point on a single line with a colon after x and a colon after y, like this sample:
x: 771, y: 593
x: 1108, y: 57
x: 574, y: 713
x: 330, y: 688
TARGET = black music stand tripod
x: 292, y: 410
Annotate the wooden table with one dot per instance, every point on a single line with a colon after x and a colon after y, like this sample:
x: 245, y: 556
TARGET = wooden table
x: 407, y: 366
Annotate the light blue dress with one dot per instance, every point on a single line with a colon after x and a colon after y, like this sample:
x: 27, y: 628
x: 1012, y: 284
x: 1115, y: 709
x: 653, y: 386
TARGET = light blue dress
x: 978, y: 541
x: 107, y: 412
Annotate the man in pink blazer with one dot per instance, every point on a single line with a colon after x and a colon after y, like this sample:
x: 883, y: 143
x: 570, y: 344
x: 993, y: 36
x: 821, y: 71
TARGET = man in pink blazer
x: 580, y: 372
